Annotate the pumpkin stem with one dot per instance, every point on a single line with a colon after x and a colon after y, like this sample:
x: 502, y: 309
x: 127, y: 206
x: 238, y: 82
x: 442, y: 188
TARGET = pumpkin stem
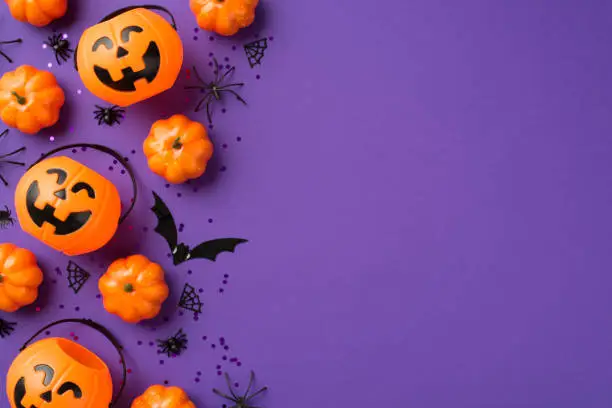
x: 128, y: 288
x: 1, y: 278
x: 20, y: 99
x: 177, y: 143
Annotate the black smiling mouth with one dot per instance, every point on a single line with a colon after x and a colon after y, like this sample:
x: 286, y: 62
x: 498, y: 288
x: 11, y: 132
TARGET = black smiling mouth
x: 73, y: 223
x: 152, y: 61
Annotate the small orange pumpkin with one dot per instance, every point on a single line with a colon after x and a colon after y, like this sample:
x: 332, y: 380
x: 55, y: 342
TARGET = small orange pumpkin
x: 20, y: 278
x: 39, y: 13
x: 30, y: 99
x: 158, y: 396
x: 178, y: 149
x: 133, y: 288
x: 224, y: 17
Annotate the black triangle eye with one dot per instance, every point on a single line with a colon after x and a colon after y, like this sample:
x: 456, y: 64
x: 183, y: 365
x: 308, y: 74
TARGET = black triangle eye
x: 46, y: 396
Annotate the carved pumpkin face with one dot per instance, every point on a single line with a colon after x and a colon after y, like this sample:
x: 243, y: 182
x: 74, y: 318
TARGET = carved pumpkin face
x: 57, y: 372
x: 130, y: 57
x: 67, y: 206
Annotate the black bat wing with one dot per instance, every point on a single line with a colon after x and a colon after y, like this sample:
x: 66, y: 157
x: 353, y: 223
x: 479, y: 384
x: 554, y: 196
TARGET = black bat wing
x: 211, y: 249
x: 165, y: 223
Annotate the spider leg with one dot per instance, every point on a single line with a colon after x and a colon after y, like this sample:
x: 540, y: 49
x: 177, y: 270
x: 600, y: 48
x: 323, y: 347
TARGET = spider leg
x: 230, y: 386
x: 7, y: 57
x: 250, y: 397
x: 251, y: 379
x: 236, y: 95
x: 205, y: 99
x: 57, y: 55
x: 4, y: 133
x: 19, y: 40
x: 217, y: 72
x: 222, y: 395
x: 231, y: 85
x: 14, y: 162
x: 4, y: 156
x: 229, y: 71
x: 3, y: 180
x: 208, y: 111
x: 195, y: 71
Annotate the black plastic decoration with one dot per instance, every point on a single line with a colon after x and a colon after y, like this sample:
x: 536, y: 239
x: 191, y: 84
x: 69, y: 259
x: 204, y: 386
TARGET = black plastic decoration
x: 166, y: 227
x: 17, y: 41
x: 6, y: 219
x: 213, y: 91
x: 5, y: 158
x: 109, y: 116
x: 173, y: 346
x: 6, y: 328
x: 255, y: 51
x: 77, y: 276
x: 240, y: 401
x: 190, y: 299
x: 60, y: 47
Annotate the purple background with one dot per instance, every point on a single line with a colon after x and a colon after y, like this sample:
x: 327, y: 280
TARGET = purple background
x: 426, y: 190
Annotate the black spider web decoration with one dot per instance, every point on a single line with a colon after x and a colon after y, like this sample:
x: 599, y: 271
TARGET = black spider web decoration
x: 190, y: 299
x: 6, y: 328
x: 173, y: 346
x: 77, y: 276
x: 255, y: 51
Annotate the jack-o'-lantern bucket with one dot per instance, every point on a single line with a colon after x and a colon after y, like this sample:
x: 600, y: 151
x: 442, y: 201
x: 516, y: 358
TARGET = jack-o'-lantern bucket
x: 69, y: 206
x: 59, y: 373
x: 131, y: 55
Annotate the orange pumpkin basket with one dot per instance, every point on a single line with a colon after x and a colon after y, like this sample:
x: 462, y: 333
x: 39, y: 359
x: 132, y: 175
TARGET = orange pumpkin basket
x: 63, y: 373
x: 69, y: 206
x: 130, y: 55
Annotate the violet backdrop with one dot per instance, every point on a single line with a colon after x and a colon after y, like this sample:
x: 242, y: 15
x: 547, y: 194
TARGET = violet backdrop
x: 425, y: 186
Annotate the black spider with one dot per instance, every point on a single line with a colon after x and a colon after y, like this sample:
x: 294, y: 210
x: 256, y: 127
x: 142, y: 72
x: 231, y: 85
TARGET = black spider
x: 6, y: 219
x: 4, y: 158
x: 19, y: 40
x: 173, y: 345
x: 213, y: 90
x: 60, y: 46
x: 109, y: 116
x: 240, y: 401
x: 6, y: 328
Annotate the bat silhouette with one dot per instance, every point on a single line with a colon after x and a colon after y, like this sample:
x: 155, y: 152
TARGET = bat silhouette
x: 166, y: 227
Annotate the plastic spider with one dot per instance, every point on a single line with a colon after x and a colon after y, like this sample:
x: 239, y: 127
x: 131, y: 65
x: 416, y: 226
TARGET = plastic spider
x: 60, y: 46
x: 109, y: 116
x: 240, y: 401
x: 4, y: 158
x: 214, y: 90
x: 6, y: 328
x: 19, y: 40
x: 173, y: 345
x: 6, y: 219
